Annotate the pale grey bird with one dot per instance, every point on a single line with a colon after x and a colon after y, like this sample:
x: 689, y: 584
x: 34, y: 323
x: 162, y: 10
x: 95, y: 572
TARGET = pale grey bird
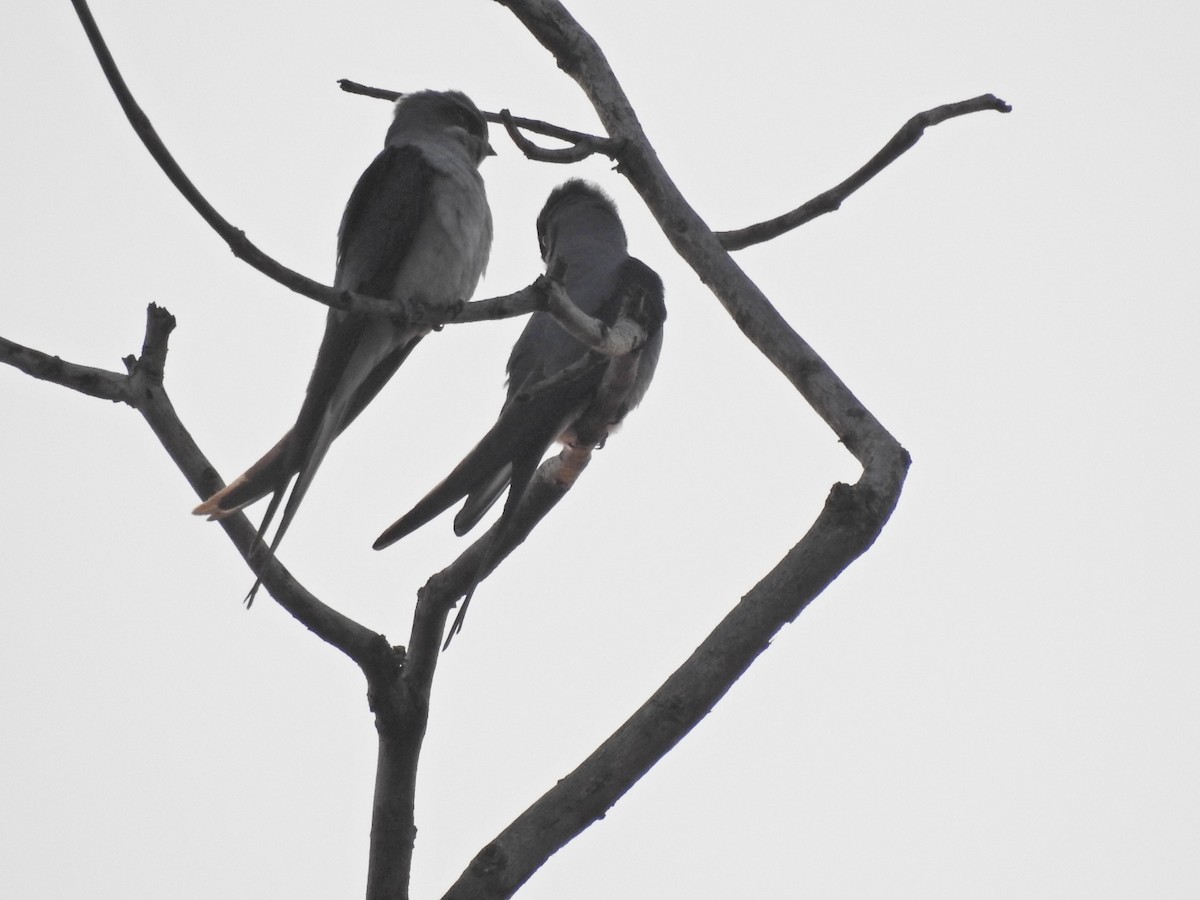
x: 417, y: 226
x: 549, y: 390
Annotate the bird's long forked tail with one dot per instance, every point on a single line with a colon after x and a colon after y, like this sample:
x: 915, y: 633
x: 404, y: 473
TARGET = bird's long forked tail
x: 327, y: 428
x: 260, y: 479
x: 479, y: 465
x: 270, y: 475
x: 509, y: 453
x: 523, y: 432
x: 301, y: 451
x: 522, y: 474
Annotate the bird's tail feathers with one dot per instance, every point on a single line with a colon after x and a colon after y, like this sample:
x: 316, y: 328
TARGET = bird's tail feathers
x: 475, y: 465
x: 277, y: 466
x: 307, y: 467
x: 480, y: 500
x: 259, y: 542
x: 523, y: 429
x: 522, y: 471
x: 262, y: 478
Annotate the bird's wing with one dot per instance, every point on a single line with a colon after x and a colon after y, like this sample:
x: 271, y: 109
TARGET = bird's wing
x: 387, y: 209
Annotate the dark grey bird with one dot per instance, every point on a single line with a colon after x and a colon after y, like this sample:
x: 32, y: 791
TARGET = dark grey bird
x: 552, y: 388
x: 417, y: 227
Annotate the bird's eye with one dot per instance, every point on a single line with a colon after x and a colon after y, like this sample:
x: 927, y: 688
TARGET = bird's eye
x: 457, y: 116
x: 467, y: 120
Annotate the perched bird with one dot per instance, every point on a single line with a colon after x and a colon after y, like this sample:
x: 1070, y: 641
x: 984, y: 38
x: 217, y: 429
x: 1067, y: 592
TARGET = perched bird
x: 417, y: 227
x: 552, y: 389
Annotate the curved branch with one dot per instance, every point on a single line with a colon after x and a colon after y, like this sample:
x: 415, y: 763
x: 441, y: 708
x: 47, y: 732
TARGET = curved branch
x: 241, y: 246
x: 529, y: 299
x: 832, y: 199
x: 578, y: 151
x: 142, y: 388
x: 403, y: 311
x: 851, y: 520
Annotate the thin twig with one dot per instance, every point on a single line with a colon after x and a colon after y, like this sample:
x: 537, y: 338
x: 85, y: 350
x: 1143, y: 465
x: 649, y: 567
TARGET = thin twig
x: 833, y: 198
x: 577, y: 152
x: 241, y: 246
x: 537, y: 126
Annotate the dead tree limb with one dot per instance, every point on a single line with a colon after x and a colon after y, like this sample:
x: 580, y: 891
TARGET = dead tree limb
x: 832, y: 199
x: 505, y: 118
x: 852, y: 518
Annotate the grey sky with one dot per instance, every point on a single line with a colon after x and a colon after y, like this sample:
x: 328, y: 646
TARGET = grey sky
x: 998, y: 700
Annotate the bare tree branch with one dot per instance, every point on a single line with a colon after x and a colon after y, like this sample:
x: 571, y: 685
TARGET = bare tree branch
x: 851, y: 520
x: 148, y: 396
x: 833, y: 198
x: 619, y: 339
x: 234, y: 237
x: 87, y: 380
x: 403, y: 311
x: 142, y: 388
x: 583, y: 796
x: 537, y: 126
x: 584, y: 145
x: 580, y: 150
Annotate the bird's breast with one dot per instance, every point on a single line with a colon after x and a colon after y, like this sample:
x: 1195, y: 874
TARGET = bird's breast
x: 450, y: 251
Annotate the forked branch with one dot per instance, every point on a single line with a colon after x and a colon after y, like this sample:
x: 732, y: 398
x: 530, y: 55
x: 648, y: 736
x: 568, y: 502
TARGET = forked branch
x: 851, y: 520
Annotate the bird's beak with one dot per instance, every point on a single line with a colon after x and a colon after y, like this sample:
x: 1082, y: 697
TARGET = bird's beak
x: 489, y: 150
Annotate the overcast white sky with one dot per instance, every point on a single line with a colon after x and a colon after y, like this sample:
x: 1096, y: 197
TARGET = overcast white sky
x: 999, y: 700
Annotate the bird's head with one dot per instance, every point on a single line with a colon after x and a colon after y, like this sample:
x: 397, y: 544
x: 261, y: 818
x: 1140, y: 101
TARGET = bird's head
x: 579, y: 208
x: 445, y: 113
